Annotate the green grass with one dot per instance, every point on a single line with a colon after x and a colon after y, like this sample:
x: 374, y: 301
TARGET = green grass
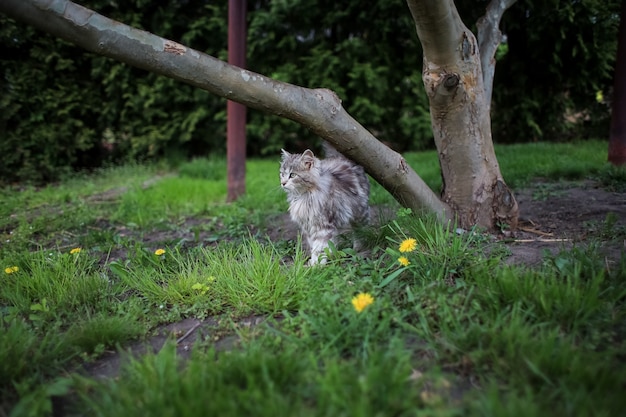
x: 172, y: 197
x: 522, y: 163
x: 73, y: 189
x: 553, y: 161
x: 454, y: 332
x: 263, y: 378
x: 249, y: 278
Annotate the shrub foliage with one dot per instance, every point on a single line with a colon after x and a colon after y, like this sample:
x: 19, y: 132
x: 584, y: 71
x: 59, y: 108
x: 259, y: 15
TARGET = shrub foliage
x: 63, y: 109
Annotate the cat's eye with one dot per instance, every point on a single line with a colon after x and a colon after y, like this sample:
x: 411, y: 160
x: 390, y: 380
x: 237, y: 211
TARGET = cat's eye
x: 292, y: 175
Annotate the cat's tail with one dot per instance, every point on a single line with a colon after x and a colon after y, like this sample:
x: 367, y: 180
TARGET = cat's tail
x: 330, y: 151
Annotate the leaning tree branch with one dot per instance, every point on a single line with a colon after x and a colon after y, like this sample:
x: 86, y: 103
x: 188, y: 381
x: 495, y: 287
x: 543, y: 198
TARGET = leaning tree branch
x: 319, y: 110
x: 489, y: 38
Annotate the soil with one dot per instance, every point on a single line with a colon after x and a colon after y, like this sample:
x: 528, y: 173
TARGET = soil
x: 186, y: 333
x: 554, y: 217
x: 561, y: 216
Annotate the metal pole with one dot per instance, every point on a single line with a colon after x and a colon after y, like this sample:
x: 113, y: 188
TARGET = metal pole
x: 617, y: 138
x: 236, y: 113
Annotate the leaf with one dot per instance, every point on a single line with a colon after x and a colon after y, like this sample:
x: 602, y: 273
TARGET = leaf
x: 38, y: 402
x: 59, y: 387
x: 535, y: 370
x: 410, y: 295
x: 118, y: 270
x: 390, y: 278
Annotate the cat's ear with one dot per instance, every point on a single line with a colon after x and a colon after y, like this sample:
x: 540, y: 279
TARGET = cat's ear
x: 308, y: 158
x: 285, y: 154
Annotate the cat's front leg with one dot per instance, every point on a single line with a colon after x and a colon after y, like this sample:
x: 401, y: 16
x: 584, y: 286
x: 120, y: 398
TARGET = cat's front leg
x: 318, y: 252
x: 318, y: 242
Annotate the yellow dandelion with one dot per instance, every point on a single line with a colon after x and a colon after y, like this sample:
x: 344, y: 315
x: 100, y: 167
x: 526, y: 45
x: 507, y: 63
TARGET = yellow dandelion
x: 159, y: 252
x: 11, y: 270
x: 408, y: 245
x: 75, y: 250
x: 403, y: 261
x: 362, y: 300
x: 599, y: 96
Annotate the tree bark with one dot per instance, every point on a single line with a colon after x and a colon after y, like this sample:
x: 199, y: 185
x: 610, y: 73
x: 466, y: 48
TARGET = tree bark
x: 473, y: 185
x: 319, y: 110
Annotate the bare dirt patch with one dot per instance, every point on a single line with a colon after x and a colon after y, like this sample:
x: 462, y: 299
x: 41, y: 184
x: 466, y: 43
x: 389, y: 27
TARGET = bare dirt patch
x: 560, y: 216
x: 186, y: 333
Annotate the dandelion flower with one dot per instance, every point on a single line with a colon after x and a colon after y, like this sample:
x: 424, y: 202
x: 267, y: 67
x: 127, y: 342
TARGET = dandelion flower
x: 11, y: 270
x: 159, y: 252
x: 362, y: 300
x: 75, y: 250
x: 403, y: 261
x: 599, y: 96
x: 408, y: 245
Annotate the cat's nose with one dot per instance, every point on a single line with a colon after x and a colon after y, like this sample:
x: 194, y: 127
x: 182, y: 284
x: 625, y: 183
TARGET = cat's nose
x: 283, y: 183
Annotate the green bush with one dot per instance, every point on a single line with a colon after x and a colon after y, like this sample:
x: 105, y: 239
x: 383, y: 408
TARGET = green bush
x: 560, y: 55
x: 64, y: 109
x: 47, y: 122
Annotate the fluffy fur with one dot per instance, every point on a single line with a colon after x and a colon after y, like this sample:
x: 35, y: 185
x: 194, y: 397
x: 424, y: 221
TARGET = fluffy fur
x: 327, y: 197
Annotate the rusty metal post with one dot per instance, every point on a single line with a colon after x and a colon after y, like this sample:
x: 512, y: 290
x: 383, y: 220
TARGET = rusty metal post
x: 236, y: 113
x: 617, y: 138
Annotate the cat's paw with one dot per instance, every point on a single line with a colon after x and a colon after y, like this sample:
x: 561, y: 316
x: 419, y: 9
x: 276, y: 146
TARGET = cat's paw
x: 317, y: 260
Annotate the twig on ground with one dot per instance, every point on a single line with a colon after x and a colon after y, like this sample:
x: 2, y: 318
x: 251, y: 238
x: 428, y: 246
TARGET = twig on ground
x: 535, y: 231
x: 183, y: 337
x: 541, y: 240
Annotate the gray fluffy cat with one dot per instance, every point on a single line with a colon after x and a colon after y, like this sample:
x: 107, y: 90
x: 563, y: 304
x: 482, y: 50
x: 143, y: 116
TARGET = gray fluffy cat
x: 327, y: 197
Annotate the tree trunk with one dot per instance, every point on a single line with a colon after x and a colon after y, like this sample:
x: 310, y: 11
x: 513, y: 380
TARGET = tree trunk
x: 473, y: 185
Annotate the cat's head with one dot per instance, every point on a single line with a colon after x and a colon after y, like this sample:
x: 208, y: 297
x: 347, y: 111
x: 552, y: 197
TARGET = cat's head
x: 298, y: 172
